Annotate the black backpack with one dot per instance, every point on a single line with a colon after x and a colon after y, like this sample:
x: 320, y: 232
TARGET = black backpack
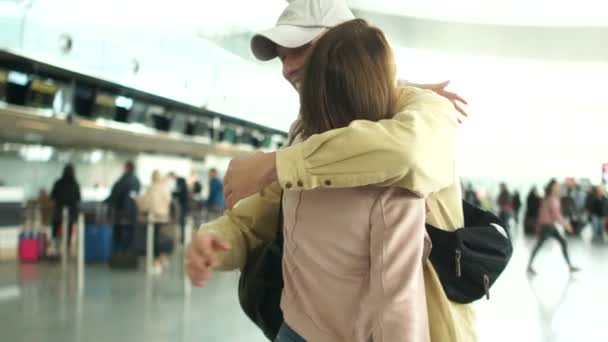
x: 484, y: 254
x: 261, y: 284
x: 469, y: 260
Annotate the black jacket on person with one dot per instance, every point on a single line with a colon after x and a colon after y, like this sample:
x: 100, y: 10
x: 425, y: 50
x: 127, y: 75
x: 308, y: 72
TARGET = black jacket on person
x: 182, y: 194
x: 532, y: 205
x: 65, y: 193
x: 516, y: 201
x: 122, y: 199
x: 597, y: 206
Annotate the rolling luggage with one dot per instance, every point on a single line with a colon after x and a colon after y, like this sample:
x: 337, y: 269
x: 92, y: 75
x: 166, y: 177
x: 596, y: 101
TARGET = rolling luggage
x: 29, y: 247
x: 32, y: 242
x: 98, y: 243
x: 98, y: 234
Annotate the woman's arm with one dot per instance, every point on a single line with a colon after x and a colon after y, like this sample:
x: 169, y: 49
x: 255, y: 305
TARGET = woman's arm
x: 396, y: 272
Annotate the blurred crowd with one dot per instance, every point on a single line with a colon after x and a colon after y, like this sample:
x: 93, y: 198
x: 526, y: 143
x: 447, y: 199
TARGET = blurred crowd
x: 582, y: 206
x: 167, y: 202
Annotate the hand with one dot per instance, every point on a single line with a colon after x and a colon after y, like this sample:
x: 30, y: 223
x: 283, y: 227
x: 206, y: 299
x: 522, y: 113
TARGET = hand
x: 202, y: 256
x: 248, y: 175
x: 439, y: 88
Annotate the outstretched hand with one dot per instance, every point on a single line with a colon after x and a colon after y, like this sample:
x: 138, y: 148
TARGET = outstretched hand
x: 456, y: 99
x: 440, y: 89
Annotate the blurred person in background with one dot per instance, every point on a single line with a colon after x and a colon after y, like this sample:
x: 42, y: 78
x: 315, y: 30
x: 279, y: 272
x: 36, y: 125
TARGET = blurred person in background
x: 470, y: 195
x: 532, y: 208
x: 196, y: 188
x: 197, y: 203
x: 124, y: 209
x: 569, y: 208
x: 596, y: 206
x: 181, y: 194
x: 65, y: 194
x: 156, y: 200
x: 46, y: 207
x: 505, y: 205
x: 580, y: 197
x: 516, y: 200
x: 215, y: 203
x: 550, y: 215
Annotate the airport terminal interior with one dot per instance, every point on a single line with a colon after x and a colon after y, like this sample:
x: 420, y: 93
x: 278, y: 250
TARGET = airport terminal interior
x: 111, y: 107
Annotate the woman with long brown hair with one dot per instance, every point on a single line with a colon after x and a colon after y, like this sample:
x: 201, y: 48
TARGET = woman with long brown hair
x: 353, y: 257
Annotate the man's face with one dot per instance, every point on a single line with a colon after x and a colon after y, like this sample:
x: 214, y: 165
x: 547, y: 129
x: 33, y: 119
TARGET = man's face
x: 294, y: 60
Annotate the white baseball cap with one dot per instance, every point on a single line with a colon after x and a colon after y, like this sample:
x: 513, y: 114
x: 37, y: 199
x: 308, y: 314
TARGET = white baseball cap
x: 300, y: 23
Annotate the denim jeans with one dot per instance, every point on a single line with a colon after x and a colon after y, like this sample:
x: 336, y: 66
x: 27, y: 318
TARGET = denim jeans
x: 286, y: 334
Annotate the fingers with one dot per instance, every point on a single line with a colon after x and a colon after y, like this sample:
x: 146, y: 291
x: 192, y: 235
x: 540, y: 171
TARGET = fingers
x: 457, y: 98
x: 199, y: 276
x: 220, y: 244
x: 208, y: 256
x: 202, y: 257
x: 443, y: 84
x: 460, y: 110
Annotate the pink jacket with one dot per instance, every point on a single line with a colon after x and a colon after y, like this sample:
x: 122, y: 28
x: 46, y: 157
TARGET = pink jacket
x: 550, y: 212
x: 353, y: 265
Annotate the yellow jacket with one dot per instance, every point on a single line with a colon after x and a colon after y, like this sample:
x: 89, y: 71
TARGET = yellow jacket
x: 415, y: 150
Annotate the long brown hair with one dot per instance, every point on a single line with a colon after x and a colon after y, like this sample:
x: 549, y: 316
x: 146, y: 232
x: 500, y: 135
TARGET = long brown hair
x: 350, y: 75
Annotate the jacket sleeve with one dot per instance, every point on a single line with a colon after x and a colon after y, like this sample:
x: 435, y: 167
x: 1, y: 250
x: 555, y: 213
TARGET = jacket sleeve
x: 396, y: 270
x: 252, y: 221
x: 415, y: 150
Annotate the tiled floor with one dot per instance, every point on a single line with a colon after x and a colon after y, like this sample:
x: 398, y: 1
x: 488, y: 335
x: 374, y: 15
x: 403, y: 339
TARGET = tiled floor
x: 41, y: 303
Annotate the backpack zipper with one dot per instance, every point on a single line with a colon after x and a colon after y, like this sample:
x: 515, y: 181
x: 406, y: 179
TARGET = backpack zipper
x: 458, y: 270
x: 486, y: 285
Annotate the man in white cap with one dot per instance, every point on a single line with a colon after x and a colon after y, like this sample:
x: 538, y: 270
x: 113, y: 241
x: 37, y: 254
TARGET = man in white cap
x: 415, y: 150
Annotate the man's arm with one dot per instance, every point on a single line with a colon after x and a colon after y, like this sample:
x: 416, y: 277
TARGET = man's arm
x: 414, y: 150
x: 248, y: 224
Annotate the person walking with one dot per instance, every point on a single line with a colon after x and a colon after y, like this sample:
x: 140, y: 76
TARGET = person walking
x: 516, y: 200
x: 550, y: 216
x: 124, y: 209
x: 597, y: 211
x: 531, y: 215
x: 65, y: 194
x: 215, y: 203
x: 155, y: 204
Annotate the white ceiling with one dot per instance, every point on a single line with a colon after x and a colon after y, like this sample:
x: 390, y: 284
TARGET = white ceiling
x: 212, y: 17
x: 565, y: 13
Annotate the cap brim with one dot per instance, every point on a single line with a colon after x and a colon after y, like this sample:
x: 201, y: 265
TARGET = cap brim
x: 264, y: 44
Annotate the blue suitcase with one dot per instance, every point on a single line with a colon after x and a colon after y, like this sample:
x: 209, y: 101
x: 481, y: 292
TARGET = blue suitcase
x: 97, y: 243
